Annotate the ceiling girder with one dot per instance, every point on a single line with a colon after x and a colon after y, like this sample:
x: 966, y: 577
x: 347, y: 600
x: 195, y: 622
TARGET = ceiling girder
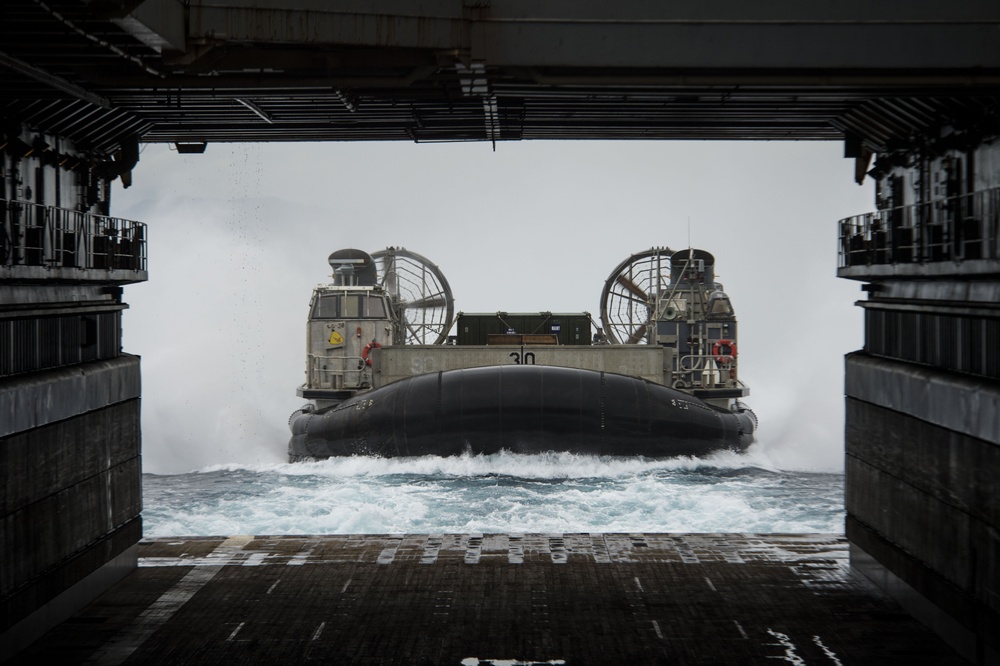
x: 504, y: 70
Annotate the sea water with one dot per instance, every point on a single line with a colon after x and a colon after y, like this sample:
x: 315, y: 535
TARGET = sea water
x: 505, y: 492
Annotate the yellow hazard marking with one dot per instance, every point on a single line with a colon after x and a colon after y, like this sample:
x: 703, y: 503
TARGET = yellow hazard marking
x: 336, y: 339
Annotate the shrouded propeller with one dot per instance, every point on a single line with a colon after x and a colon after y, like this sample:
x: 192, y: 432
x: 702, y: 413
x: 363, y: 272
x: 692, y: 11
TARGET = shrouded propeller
x: 628, y: 299
x: 420, y: 294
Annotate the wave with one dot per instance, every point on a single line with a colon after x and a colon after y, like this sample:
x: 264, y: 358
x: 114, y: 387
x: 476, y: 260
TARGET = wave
x: 544, y: 466
x: 503, y: 492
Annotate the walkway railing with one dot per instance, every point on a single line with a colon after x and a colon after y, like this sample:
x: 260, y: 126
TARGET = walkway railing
x: 957, y: 229
x: 705, y: 371
x: 337, y: 372
x: 36, y: 235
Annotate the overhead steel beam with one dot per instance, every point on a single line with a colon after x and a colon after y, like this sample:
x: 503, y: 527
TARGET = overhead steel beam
x: 53, y: 81
x: 922, y: 37
x: 492, y: 70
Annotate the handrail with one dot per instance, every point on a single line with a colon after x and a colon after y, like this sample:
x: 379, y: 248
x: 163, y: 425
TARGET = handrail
x: 33, y: 234
x: 692, y: 368
x: 961, y: 228
x: 340, y: 377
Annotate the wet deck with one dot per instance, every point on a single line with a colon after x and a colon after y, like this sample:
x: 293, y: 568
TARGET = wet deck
x: 493, y: 599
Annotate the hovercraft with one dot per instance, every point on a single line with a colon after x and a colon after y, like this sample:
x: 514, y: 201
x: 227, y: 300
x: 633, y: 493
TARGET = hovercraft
x: 658, y: 378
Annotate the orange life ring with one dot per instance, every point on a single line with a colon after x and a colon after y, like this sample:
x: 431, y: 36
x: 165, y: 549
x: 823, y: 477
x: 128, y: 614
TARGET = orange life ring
x: 724, y: 356
x: 364, y: 352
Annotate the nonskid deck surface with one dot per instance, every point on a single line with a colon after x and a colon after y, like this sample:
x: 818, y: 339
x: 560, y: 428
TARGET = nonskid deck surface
x: 476, y: 599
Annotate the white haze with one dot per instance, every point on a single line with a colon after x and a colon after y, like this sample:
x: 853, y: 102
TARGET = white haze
x: 238, y: 237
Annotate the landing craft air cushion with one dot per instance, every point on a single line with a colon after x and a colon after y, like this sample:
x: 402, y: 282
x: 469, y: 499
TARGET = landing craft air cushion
x: 658, y: 378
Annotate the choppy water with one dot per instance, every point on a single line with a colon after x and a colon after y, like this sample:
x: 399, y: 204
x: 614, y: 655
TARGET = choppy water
x: 498, y: 493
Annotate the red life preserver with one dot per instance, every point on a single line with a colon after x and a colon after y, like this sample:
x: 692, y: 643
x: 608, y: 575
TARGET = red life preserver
x: 364, y: 352
x: 724, y: 356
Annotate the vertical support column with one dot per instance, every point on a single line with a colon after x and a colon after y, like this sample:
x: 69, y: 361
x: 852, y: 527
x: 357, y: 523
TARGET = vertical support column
x: 923, y: 451
x: 922, y: 511
x: 923, y: 398
x: 70, y: 466
x: 70, y: 491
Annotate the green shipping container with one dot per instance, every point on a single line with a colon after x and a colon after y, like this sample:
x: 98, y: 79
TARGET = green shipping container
x: 569, y: 328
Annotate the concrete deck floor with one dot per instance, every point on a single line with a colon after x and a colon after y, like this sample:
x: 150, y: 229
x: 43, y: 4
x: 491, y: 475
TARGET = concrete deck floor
x: 473, y: 600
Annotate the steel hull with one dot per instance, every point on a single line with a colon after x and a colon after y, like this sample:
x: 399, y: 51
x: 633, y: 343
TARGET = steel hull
x: 523, y: 409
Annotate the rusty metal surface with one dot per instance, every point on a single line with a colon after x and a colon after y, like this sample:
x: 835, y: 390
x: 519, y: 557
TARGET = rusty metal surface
x: 493, y: 598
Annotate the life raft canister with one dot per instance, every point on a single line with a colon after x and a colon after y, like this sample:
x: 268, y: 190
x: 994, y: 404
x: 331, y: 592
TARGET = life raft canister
x: 364, y: 352
x: 724, y: 352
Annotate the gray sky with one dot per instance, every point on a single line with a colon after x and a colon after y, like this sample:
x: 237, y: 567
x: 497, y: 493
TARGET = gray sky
x: 238, y: 237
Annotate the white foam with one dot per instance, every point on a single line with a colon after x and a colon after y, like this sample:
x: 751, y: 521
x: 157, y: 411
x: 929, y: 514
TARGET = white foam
x: 498, y: 493
x: 534, y: 466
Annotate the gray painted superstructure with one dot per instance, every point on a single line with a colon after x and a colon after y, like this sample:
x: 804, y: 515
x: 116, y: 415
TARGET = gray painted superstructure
x: 923, y: 396
x: 70, y: 490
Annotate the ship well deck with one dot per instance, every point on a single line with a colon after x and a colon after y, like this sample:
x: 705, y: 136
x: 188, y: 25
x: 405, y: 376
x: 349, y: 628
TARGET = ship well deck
x: 477, y: 599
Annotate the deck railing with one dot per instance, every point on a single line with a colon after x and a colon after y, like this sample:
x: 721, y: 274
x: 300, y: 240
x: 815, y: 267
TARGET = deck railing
x: 960, y: 228
x: 337, y: 372
x: 36, y: 235
x: 704, y: 371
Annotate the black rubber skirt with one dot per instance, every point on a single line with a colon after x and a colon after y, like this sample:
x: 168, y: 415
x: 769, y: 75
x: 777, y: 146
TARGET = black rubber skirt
x: 523, y: 409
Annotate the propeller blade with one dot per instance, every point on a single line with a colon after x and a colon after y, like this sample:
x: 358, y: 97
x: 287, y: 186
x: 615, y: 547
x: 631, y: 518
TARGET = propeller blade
x: 632, y: 299
x: 638, y: 334
x: 434, y: 301
x: 633, y: 287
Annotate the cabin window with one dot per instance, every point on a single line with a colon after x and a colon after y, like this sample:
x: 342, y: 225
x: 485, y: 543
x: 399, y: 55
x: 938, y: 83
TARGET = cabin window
x: 373, y: 307
x: 348, y: 306
x: 325, y: 307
